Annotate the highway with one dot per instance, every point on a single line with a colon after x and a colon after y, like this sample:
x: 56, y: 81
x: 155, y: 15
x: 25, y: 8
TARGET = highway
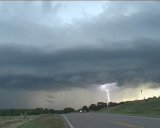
x: 104, y: 120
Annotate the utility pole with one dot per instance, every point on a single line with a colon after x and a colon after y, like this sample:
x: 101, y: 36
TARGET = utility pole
x: 142, y: 95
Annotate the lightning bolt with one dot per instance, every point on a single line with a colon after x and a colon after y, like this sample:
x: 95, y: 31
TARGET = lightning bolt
x: 106, y: 87
x: 108, y: 97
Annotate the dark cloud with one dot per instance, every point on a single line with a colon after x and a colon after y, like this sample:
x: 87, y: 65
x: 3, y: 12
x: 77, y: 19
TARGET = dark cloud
x: 121, y: 46
x: 33, y: 69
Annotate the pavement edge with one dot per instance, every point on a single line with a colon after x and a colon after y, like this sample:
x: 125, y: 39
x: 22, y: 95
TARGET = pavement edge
x: 66, y: 122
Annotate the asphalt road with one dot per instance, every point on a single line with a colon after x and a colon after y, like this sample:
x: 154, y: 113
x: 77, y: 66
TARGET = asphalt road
x: 104, y: 120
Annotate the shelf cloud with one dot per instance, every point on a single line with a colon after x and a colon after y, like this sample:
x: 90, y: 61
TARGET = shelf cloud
x: 41, y: 48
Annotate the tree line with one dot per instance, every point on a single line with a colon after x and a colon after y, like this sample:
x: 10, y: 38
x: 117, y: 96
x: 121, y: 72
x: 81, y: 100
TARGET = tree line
x: 98, y: 106
x: 37, y: 111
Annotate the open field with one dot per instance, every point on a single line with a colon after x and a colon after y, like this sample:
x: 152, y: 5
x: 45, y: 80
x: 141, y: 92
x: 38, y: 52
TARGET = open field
x: 8, y: 118
x: 148, y: 107
x: 47, y: 121
x: 14, y: 121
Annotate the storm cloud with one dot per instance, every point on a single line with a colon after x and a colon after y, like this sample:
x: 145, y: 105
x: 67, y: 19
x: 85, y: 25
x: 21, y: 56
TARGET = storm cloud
x: 35, y: 69
x: 40, y: 51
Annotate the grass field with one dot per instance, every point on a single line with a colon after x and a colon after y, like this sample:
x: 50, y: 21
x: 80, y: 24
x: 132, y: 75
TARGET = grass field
x: 148, y: 107
x: 8, y: 118
x: 13, y: 121
x: 47, y: 121
x: 14, y: 118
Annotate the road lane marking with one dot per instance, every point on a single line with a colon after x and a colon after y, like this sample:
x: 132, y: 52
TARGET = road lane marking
x: 71, y: 126
x: 126, y: 124
x: 145, y: 117
x: 137, y: 116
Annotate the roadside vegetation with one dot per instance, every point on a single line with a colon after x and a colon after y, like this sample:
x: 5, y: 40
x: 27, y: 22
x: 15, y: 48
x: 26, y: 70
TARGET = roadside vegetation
x: 147, y: 107
x: 14, y: 121
x: 8, y: 118
x: 36, y: 111
x: 46, y: 121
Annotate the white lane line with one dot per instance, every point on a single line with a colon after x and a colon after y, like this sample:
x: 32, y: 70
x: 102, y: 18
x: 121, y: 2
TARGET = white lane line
x: 127, y: 124
x: 137, y: 116
x: 71, y: 126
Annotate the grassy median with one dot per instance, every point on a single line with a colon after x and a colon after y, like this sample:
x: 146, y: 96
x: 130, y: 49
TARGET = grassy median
x: 47, y: 121
x: 148, y: 107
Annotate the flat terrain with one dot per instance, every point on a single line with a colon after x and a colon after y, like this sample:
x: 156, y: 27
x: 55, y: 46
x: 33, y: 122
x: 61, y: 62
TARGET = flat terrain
x: 14, y: 121
x: 148, y: 107
x: 4, y: 119
x: 104, y: 120
x: 48, y: 121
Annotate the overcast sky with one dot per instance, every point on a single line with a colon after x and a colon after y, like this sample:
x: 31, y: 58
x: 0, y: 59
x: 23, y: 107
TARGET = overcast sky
x: 68, y: 49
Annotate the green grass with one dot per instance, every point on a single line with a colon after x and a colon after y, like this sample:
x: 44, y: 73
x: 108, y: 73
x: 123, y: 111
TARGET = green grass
x: 14, y: 120
x: 148, y: 107
x: 47, y: 121
x: 8, y: 118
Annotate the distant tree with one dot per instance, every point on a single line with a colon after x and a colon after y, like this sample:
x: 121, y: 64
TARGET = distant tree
x: 101, y: 105
x: 121, y: 103
x: 93, y: 107
x: 51, y: 111
x: 36, y: 111
x: 13, y: 112
x: 85, y: 109
x: 112, y: 104
x: 68, y: 110
x: 78, y: 110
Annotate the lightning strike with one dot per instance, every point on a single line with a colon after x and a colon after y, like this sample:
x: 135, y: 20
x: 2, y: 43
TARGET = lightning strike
x: 108, y: 97
x: 106, y: 87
